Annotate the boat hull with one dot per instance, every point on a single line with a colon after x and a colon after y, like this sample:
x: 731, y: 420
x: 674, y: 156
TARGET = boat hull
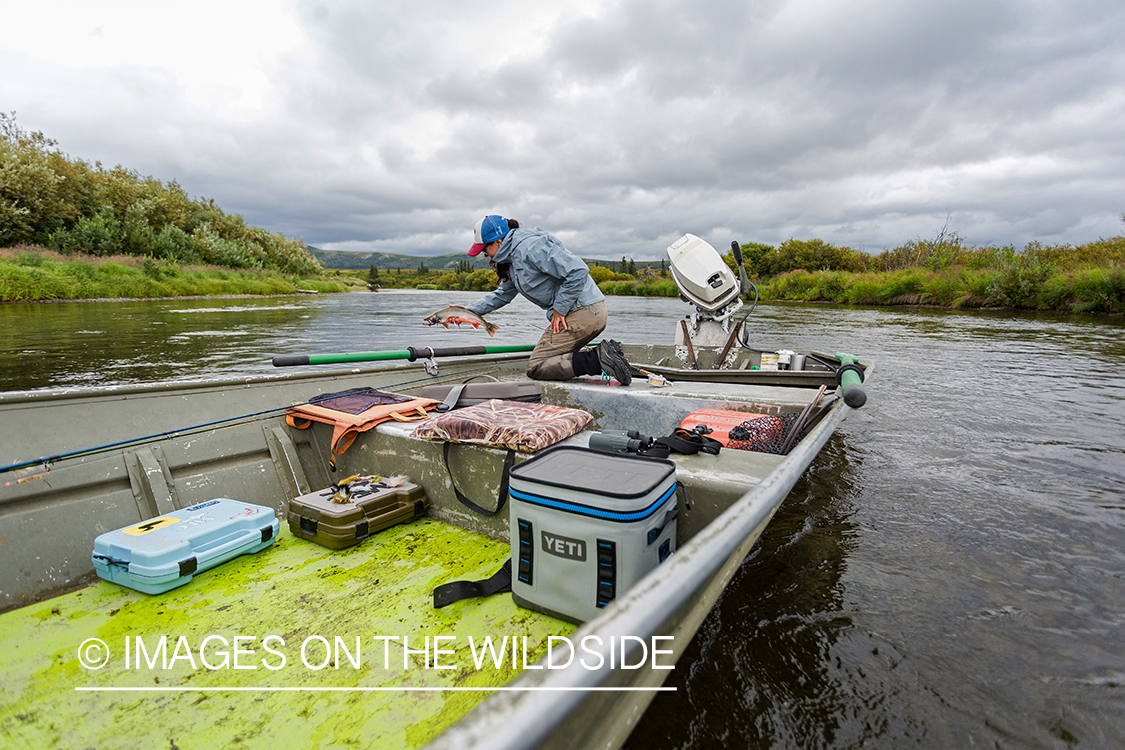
x: 228, y: 438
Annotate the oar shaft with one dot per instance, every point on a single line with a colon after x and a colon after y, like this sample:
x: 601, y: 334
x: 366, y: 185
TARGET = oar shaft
x: 411, y: 354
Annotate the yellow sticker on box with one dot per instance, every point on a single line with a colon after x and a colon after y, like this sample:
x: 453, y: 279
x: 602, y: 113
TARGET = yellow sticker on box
x: 151, y: 525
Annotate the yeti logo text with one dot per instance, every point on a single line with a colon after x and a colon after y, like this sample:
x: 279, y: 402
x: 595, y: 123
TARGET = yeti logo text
x: 561, y: 546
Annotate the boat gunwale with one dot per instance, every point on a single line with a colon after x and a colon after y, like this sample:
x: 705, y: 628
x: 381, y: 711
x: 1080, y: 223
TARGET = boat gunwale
x: 228, y: 381
x: 516, y: 720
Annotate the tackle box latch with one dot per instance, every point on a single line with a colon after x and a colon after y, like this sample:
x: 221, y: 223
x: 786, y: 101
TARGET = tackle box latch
x: 188, y: 566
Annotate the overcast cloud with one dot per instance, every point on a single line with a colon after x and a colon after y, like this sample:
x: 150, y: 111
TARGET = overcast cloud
x: 617, y: 126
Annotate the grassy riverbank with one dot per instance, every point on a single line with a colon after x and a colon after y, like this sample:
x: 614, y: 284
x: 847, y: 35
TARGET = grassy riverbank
x: 1083, y: 279
x: 29, y: 273
x: 1079, y: 290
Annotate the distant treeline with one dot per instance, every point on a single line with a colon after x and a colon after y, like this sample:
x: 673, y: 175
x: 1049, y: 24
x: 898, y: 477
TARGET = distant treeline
x: 50, y: 199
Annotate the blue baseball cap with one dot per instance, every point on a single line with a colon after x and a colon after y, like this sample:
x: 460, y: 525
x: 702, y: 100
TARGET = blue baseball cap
x: 488, y: 230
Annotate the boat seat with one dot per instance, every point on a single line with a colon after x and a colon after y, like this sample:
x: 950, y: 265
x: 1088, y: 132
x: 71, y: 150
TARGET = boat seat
x: 709, y: 489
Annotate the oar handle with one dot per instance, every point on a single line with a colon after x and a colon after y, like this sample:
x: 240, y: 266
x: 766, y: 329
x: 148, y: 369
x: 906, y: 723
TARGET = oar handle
x: 411, y: 354
x: 850, y: 378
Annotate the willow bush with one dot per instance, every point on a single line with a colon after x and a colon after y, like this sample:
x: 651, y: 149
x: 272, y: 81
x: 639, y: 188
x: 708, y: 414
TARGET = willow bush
x: 68, y: 205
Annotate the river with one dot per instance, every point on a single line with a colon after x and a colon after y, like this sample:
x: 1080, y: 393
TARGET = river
x: 949, y: 573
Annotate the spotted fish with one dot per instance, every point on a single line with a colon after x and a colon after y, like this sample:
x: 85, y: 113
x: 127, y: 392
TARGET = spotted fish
x: 456, y: 315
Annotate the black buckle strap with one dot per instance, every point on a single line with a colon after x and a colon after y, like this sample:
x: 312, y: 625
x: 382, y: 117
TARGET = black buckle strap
x: 498, y: 583
x: 684, y: 442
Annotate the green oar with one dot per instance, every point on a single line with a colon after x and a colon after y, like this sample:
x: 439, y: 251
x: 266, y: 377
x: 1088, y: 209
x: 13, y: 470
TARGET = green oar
x: 412, y: 354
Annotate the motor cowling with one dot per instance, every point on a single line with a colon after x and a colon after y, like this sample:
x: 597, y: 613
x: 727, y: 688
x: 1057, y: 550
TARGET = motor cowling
x: 701, y: 274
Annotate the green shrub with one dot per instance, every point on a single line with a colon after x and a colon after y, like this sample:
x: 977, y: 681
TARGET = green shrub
x: 481, y: 280
x: 173, y: 243
x: 905, y: 286
x: 864, y: 291
x: 809, y: 255
x: 98, y: 235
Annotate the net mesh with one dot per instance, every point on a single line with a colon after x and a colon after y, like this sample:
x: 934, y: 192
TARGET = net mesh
x: 357, y: 400
x: 763, y: 434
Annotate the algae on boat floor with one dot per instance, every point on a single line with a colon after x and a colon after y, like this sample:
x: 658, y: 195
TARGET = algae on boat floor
x: 336, y: 648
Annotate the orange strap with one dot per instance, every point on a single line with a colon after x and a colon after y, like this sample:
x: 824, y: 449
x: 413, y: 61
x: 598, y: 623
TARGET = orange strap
x: 346, y: 427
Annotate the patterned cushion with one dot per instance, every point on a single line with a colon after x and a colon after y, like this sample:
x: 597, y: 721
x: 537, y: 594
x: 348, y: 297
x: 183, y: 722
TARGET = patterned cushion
x: 506, y: 424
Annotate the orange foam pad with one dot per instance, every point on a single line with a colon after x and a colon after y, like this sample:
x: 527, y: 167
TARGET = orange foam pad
x: 721, y: 421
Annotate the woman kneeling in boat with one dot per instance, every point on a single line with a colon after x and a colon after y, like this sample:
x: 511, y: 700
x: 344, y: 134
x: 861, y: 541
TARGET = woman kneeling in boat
x: 536, y: 265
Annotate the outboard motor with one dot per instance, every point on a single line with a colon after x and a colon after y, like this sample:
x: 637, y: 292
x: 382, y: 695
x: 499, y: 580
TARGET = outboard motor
x: 702, y: 275
x: 706, y: 282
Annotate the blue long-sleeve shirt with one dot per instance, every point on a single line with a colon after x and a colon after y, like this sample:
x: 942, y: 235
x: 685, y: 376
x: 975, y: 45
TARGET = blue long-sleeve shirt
x: 543, y: 271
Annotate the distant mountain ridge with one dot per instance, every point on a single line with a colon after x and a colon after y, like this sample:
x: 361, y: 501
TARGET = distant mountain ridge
x: 348, y: 260
x: 345, y: 259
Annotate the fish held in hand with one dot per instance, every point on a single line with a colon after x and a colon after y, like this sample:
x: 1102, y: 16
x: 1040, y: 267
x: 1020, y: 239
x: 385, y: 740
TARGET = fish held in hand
x: 456, y: 315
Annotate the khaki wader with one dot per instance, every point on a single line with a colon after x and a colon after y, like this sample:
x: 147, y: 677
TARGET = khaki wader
x: 551, y: 358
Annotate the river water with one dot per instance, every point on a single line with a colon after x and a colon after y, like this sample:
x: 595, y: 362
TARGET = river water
x: 949, y: 573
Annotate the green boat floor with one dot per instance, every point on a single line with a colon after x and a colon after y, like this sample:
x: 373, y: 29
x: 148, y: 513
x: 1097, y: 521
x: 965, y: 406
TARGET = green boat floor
x: 374, y: 600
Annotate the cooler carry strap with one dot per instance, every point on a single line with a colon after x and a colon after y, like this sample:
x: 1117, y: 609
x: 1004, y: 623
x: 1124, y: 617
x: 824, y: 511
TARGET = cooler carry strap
x: 500, y: 500
x: 500, y: 582
x: 454, y: 394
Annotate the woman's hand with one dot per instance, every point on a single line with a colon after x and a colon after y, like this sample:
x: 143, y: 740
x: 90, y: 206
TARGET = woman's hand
x: 558, y: 322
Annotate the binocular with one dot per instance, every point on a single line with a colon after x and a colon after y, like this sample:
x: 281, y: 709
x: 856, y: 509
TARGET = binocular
x: 617, y: 441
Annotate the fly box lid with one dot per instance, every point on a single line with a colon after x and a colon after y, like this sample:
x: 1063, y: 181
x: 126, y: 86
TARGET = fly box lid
x: 342, y: 517
x: 617, y: 481
x: 165, y: 552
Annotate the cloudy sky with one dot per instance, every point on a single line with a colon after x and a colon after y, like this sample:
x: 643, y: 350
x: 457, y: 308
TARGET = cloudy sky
x: 617, y: 126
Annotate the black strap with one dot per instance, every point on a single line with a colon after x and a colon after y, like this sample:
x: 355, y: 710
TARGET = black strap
x: 684, y: 442
x: 501, y: 581
x: 503, y: 497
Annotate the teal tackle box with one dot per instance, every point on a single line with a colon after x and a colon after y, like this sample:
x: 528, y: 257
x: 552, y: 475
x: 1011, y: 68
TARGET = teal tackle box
x: 586, y: 526
x: 165, y: 552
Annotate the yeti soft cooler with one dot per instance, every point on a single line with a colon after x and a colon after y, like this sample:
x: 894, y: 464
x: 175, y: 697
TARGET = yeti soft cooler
x: 165, y: 552
x: 586, y: 526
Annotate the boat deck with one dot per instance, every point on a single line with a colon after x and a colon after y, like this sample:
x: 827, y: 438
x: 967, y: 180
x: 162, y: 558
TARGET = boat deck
x: 379, y: 592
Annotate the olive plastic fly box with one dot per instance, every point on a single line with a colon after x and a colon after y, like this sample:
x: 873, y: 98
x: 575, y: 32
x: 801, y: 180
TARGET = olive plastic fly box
x: 586, y: 526
x: 367, y: 507
x: 165, y: 552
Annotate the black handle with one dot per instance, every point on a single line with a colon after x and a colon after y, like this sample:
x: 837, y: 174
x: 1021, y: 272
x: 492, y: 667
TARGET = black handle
x: 290, y: 360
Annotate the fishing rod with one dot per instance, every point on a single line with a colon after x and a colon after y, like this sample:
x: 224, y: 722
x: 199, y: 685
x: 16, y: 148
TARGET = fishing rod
x: 411, y: 354
x: 194, y: 429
